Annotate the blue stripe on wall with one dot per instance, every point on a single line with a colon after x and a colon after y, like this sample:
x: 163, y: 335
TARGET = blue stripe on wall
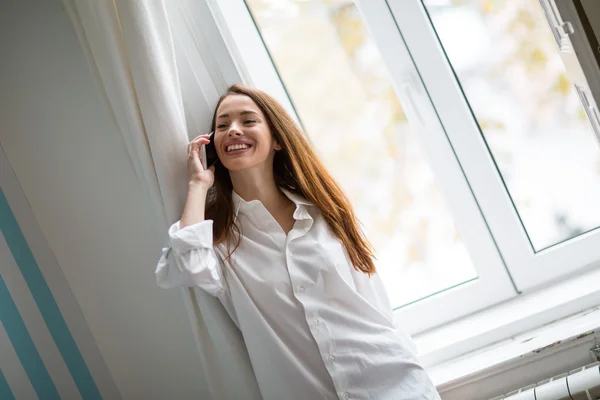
x: 5, y: 392
x: 46, y: 304
x: 24, y: 347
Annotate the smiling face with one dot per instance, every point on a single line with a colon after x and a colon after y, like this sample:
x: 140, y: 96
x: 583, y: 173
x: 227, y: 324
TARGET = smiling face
x: 242, y: 136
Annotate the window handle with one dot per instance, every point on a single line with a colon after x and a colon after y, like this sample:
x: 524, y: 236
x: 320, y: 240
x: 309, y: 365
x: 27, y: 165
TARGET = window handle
x: 591, y: 109
x: 410, y: 105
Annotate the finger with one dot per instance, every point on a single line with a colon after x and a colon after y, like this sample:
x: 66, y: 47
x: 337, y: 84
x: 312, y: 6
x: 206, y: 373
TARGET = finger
x: 197, y: 150
x: 191, y: 146
x: 199, y: 142
x: 197, y: 147
x: 200, y: 136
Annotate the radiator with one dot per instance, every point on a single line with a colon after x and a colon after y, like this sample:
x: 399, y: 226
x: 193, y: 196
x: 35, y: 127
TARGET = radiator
x: 580, y: 384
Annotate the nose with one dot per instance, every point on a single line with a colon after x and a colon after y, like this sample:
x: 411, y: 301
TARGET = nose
x: 234, y: 130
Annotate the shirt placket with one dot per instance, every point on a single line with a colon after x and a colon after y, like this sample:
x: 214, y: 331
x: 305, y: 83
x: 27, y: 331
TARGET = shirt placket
x: 318, y: 327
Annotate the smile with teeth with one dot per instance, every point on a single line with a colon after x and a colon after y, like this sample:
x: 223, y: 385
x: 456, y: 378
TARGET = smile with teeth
x: 235, y: 147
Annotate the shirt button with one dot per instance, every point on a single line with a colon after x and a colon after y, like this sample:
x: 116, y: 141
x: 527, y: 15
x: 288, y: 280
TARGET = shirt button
x: 345, y: 395
x: 301, y: 289
x: 315, y: 322
x: 289, y: 253
x: 331, y: 358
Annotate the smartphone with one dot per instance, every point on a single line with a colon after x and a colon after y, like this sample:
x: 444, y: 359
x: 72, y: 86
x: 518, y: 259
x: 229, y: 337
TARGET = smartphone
x: 209, y: 153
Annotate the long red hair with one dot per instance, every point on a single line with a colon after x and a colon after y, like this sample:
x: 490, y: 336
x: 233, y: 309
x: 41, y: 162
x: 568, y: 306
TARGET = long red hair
x: 296, y: 168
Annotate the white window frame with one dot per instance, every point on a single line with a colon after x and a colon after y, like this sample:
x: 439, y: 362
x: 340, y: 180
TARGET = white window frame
x: 578, y: 55
x: 493, y: 284
x: 208, y: 41
x: 529, y: 269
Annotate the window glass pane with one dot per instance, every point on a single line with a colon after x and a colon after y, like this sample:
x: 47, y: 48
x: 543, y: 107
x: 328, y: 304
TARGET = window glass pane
x: 511, y: 72
x: 344, y: 98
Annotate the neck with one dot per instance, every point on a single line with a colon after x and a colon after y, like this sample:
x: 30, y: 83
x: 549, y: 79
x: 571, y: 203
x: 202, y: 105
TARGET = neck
x: 254, y: 184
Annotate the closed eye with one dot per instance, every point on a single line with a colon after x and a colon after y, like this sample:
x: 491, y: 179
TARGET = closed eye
x: 249, y: 121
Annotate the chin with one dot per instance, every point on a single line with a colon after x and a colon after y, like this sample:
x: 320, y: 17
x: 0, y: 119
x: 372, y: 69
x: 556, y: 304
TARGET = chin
x: 239, y: 164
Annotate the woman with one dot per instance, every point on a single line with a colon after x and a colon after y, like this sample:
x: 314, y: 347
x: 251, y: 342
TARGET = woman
x: 280, y: 246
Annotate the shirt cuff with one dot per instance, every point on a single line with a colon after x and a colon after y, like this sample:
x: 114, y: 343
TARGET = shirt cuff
x: 197, y: 236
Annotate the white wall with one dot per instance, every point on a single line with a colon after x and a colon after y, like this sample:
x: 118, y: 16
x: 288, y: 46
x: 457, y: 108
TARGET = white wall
x: 74, y: 171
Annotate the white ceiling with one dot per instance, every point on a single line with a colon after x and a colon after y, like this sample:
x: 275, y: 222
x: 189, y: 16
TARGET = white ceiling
x: 73, y: 168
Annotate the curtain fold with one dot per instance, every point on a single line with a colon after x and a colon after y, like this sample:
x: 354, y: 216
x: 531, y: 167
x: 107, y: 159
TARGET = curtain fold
x: 130, y: 49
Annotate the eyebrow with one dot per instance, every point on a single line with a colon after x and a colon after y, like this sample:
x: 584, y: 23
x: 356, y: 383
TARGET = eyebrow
x: 242, y: 113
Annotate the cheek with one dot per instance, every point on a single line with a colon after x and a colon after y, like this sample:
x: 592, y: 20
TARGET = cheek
x: 265, y: 138
x: 264, y: 149
x: 218, y: 142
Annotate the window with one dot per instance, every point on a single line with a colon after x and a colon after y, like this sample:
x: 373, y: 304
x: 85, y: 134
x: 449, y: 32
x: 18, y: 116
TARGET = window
x: 347, y: 104
x: 510, y: 70
x: 494, y: 161
x: 467, y: 153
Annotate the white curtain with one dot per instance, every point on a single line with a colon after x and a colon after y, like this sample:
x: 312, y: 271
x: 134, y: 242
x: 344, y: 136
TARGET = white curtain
x: 130, y: 49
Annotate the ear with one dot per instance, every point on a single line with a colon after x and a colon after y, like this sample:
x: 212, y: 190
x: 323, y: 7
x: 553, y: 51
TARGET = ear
x: 277, y: 147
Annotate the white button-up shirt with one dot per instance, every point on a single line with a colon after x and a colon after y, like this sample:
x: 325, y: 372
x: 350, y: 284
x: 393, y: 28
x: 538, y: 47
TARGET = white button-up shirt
x: 315, y: 328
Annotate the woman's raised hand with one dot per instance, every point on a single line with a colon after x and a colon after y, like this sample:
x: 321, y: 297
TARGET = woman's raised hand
x: 199, y: 175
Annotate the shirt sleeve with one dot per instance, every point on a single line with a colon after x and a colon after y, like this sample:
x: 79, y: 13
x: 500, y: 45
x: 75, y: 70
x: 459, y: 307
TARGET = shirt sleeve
x: 190, y: 260
x: 372, y: 289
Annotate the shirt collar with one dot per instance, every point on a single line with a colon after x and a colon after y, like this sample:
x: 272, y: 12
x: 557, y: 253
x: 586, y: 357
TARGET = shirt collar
x: 241, y: 204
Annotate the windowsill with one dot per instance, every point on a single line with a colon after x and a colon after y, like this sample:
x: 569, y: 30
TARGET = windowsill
x: 514, y: 332
x: 580, y: 329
